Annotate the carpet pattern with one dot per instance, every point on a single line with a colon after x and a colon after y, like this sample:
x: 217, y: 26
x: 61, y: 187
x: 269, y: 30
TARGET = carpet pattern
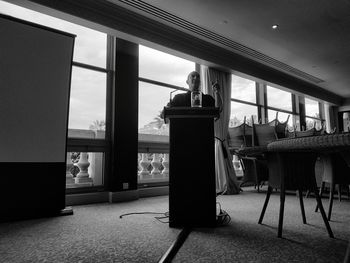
x: 95, y: 233
x: 243, y: 240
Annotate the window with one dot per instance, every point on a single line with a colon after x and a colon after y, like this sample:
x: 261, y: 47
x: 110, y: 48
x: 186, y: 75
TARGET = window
x: 312, y: 113
x: 163, y: 67
x: 152, y: 99
x: 88, y: 100
x: 243, y: 101
x: 239, y: 111
x: 243, y: 89
x: 311, y: 108
x: 279, y: 103
x: 279, y: 99
x: 160, y: 73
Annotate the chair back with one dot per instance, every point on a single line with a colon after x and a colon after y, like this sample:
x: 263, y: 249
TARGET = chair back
x: 280, y: 127
x: 248, y: 135
x: 263, y: 134
x: 240, y: 135
x: 236, y: 136
x: 321, y: 131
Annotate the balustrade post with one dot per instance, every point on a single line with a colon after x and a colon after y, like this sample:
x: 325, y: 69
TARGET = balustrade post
x: 165, y: 163
x: 156, y: 163
x: 82, y: 178
x: 144, y: 163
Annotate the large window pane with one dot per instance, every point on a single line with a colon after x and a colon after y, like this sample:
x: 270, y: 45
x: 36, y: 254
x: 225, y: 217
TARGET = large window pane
x: 279, y: 98
x: 243, y: 89
x: 241, y: 110
x: 311, y: 108
x: 87, y: 102
x: 90, y: 45
x: 152, y: 99
x: 163, y: 67
x: 310, y: 123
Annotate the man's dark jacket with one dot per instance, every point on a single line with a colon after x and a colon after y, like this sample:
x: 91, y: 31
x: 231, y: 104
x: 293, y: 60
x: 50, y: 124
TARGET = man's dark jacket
x: 184, y: 100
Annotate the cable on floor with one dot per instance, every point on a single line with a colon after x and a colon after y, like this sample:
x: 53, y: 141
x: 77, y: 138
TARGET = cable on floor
x: 159, y: 218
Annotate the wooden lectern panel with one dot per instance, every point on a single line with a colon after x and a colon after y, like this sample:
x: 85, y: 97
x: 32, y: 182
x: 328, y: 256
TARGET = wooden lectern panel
x: 192, y: 192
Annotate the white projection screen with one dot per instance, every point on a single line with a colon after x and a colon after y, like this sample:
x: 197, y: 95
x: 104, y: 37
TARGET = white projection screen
x: 35, y: 74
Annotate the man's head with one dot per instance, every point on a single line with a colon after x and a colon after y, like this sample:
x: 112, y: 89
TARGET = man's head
x: 193, y: 81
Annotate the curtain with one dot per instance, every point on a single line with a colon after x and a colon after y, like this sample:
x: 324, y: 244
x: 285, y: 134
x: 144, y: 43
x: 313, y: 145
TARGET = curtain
x: 331, y: 116
x: 226, y: 180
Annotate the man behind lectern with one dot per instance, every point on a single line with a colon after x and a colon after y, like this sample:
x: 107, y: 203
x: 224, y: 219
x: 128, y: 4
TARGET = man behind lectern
x: 184, y: 99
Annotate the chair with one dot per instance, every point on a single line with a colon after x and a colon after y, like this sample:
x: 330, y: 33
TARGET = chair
x: 240, y: 139
x: 334, y: 171
x: 262, y: 135
x: 236, y: 136
x: 292, y: 171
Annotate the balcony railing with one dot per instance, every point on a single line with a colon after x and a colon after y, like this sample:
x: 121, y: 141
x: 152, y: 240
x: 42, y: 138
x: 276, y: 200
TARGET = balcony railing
x: 85, y: 169
x: 153, y: 159
x: 153, y: 168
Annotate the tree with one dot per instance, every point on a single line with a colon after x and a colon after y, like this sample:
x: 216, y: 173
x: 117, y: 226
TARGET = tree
x: 98, y: 125
x: 235, y: 122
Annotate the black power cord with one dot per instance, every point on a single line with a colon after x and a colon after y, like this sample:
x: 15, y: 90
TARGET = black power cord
x: 159, y: 218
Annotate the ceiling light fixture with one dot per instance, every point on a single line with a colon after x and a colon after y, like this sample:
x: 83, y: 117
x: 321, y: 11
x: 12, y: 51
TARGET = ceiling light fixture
x: 275, y: 26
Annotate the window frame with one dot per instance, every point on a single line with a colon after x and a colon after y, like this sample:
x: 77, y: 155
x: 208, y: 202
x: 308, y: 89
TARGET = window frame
x: 98, y: 145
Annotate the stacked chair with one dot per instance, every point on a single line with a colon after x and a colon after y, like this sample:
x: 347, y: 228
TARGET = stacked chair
x: 249, y: 143
x: 294, y: 171
x: 240, y: 144
x: 269, y: 158
x: 333, y: 170
x: 330, y: 169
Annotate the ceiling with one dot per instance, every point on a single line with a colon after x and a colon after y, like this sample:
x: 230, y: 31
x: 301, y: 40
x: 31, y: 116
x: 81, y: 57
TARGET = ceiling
x: 312, y: 40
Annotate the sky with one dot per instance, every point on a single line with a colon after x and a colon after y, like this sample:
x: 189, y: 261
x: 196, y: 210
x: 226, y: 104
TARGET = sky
x: 88, y: 89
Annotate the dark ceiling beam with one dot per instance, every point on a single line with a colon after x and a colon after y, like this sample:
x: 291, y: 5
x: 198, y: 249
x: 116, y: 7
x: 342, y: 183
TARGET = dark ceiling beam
x: 123, y: 20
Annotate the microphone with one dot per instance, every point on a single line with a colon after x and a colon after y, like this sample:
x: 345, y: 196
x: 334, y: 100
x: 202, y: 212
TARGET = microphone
x: 171, y: 93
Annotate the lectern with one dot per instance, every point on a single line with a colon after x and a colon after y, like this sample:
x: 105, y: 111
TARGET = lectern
x: 192, y: 194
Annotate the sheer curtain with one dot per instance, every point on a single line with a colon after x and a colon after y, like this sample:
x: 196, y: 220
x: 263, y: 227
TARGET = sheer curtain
x: 226, y: 180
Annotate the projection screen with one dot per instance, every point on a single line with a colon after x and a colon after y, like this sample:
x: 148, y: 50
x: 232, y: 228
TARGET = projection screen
x: 35, y: 72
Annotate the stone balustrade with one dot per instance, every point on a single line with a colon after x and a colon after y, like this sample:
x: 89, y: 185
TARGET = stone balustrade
x: 153, y: 167
x: 87, y: 169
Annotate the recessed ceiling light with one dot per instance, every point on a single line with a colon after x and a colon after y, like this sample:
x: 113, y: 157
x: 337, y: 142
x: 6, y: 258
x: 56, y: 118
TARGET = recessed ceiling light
x: 275, y: 26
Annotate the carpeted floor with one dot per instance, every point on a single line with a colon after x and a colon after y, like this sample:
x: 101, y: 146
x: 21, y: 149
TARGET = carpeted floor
x: 243, y: 240
x: 95, y: 233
